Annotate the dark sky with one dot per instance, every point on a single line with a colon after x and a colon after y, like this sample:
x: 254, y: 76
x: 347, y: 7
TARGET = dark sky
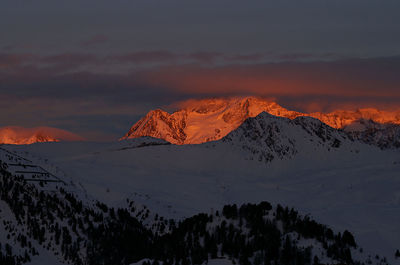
x: 94, y: 67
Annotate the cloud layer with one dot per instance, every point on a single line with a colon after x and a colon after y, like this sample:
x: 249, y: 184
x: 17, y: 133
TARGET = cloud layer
x: 97, y: 94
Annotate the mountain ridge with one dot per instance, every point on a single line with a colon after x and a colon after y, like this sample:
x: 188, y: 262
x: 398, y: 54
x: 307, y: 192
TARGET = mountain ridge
x: 266, y: 137
x: 200, y: 121
x: 20, y: 135
x: 347, y: 183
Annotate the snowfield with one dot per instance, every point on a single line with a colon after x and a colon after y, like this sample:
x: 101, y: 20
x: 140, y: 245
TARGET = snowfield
x: 312, y: 167
x: 345, y: 189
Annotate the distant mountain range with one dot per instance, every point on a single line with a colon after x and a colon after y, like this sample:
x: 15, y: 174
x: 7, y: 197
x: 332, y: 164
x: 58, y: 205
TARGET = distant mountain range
x: 200, y: 121
x: 21, y: 135
x: 146, y: 201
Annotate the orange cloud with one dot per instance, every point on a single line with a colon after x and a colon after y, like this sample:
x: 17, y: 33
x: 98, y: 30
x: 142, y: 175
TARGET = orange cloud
x: 282, y: 79
x: 303, y: 85
x: 346, y: 82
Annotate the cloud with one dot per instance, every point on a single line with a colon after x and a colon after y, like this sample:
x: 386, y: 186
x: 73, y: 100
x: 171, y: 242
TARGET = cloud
x: 252, y: 57
x: 306, y: 56
x: 95, y: 41
x: 11, y: 60
x: 69, y: 58
x: 125, y: 62
x: 205, y: 57
x: 65, y: 91
x: 22, y: 135
x: 146, y: 57
x: 161, y: 56
x: 374, y: 78
x: 70, y: 75
x: 93, y: 118
x: 8, y: 47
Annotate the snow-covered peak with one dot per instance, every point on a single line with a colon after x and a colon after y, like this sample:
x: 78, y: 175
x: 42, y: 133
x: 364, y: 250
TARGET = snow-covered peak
x: 266, y: 137
x: 342, y: 118
x: 20, y: 135
x: 199, y: 121
x: 252, y: 105
x: 160, y: 124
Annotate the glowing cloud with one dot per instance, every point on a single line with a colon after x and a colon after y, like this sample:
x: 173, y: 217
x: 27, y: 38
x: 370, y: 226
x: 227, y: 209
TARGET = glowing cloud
x: 20, y: 135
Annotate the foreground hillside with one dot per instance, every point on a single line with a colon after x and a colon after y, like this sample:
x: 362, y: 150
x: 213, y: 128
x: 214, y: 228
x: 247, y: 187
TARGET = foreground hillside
x: 45, y: 221
x: 310, y: 166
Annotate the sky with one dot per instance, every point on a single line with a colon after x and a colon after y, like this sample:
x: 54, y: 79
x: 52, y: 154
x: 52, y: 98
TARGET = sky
x: 95, y: 67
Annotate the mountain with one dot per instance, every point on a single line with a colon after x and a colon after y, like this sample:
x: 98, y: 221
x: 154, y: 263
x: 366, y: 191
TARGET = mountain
x: 203, y: 120
x: 383, y: 135
x: 21, y: 135
x: 177, y: 194
x: 266, y: 137
x: 200, y: 121
x: 343, y: 118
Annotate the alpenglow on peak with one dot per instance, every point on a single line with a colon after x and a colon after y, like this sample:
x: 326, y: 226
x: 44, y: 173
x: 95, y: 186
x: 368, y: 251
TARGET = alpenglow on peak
x: 199, y: 121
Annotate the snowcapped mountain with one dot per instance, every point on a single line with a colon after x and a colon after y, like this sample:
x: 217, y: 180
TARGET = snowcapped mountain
x: 160, y: 124
x: 342, y: 118
x: 203, y: 120
x: 207, y: 120
x: 160, y: 185
x: 20, y: 135
x: 266, y: 137
x: 383, y: 135
x: 109, y: 203
x: 300, y: 162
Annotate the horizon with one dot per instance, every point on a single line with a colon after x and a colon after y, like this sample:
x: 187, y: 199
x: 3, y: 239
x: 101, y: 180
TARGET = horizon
x: 100, y: 72
x: 21, y: 132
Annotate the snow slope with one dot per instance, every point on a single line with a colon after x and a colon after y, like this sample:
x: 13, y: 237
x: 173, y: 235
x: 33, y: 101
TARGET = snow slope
x: 267, y: 137
x: 348, y: 185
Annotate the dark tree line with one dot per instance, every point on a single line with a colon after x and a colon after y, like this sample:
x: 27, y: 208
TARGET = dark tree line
x: 98, y: 234
x: 246, y: 235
